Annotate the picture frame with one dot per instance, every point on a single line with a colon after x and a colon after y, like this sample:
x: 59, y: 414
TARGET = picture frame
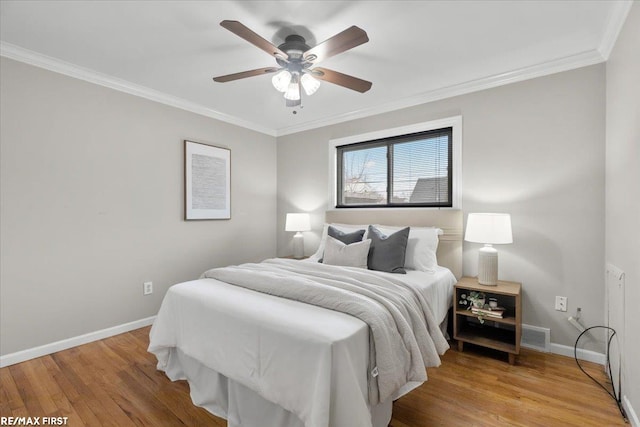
x: 207, y: 181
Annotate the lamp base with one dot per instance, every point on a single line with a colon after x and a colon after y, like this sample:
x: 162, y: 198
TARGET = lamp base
x: 488, y: 266
x: 298, y: 246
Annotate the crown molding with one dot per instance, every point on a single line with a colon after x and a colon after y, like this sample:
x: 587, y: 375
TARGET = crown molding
x: 615, y: 23
x: 563, y: 64
x: 30, y: 57
x: 583, y: 59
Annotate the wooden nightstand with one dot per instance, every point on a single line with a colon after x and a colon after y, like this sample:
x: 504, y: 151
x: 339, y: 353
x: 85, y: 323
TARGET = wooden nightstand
x: 501, y: 334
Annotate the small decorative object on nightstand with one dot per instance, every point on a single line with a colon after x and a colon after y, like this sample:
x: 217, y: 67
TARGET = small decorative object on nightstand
x: 498, y: 327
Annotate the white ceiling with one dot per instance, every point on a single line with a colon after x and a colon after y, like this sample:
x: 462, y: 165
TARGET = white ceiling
x: 418, y: 50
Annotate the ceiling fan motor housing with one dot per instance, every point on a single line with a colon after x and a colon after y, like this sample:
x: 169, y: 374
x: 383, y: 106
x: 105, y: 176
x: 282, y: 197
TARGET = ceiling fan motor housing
x: 294, y: 46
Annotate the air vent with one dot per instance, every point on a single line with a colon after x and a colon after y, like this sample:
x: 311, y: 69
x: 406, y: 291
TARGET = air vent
x: 536, y: 338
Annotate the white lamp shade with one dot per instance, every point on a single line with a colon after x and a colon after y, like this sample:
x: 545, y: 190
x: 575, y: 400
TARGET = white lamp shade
x: 309, y: 84
x: 298, y: 222
x: 293, y: 90
x: 281, y: 80
x: 489, y: 228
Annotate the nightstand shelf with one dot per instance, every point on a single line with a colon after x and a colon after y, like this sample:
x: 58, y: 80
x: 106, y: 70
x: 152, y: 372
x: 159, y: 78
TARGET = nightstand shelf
x: 501, y: 340
x: 501, y: 334
x: 509, y: 320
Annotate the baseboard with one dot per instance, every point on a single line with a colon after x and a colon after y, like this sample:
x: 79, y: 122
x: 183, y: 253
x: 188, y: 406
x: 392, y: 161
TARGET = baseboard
x: 537, y: 338
x: 43, y: 350
x: 631, y: 414
x: 587, y: 355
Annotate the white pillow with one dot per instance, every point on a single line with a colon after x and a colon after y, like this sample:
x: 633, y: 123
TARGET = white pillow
x: 345, y: 228
x: 421, y: 247
x: 353, y: 255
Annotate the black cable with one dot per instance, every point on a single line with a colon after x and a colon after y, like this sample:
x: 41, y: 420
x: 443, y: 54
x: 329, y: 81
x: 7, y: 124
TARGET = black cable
x: 617, y: 397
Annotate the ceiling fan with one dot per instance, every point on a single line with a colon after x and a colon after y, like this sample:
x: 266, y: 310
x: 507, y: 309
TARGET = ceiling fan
x: 295, y: 61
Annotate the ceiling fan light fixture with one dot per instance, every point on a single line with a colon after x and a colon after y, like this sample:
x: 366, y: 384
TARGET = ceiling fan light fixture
x: 293, y: 90
x: 281, y: 81
x: 309, y: 84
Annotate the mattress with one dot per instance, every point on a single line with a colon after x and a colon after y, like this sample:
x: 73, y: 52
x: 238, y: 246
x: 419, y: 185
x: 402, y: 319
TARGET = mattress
x: 251, y: 357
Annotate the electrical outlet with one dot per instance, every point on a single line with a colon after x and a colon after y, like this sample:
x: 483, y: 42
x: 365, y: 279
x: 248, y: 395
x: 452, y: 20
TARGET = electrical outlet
x: 561, y: 303
x: 147, y: 288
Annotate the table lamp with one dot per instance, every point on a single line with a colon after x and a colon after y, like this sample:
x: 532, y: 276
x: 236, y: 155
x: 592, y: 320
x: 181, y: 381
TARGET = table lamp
x: 298, y: 222
x: 490, y: 229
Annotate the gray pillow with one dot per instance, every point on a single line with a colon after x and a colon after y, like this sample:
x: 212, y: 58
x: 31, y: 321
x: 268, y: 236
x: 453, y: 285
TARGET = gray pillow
x: 387, y: 253
x: 346, y: 238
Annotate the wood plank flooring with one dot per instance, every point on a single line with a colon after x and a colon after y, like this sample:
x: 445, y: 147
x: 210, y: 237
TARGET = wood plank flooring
x: 114, y: 382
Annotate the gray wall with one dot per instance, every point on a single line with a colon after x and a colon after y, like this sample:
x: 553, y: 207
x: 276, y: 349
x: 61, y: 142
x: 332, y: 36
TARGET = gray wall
x: 533, y: 149
x: 92, y: 205
x: 623, y: 187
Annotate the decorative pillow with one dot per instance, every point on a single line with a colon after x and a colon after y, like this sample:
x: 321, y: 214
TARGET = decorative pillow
x: 345, y: 228
x: 345, y: 237
x: 353, y: 255
x: 387, y: 252
x: 421, y: 247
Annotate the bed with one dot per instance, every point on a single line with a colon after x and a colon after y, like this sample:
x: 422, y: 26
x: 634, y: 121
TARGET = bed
x: 257, y: 359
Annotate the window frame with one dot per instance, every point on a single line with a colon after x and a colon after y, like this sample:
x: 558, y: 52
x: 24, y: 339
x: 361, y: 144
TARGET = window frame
x: 395, y: 134
x: 390, y: 143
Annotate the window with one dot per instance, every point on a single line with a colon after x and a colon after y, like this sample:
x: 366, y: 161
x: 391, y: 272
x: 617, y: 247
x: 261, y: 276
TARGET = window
x: 411, y: 170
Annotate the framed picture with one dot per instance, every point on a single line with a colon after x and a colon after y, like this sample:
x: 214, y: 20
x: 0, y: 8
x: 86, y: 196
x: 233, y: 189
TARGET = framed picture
x: 207, y: 181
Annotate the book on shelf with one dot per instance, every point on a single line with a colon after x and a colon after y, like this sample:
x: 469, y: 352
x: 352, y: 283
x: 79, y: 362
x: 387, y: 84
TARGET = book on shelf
x: 497, y: 312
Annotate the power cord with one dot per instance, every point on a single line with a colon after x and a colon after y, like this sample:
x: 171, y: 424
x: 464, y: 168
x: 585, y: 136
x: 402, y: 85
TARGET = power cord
x: 617, y: 397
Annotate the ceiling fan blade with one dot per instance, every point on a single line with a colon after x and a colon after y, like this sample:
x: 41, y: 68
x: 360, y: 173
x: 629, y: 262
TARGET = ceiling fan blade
x: 340, y: 79
x: 348, y: 39
x: 241, y: 31
x: 245, y: 74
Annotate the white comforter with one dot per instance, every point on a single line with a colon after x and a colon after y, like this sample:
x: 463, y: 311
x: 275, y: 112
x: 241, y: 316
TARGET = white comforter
x: 311, y: 361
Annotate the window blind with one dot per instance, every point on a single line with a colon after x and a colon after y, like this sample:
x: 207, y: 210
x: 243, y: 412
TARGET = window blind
x: 405, y: 170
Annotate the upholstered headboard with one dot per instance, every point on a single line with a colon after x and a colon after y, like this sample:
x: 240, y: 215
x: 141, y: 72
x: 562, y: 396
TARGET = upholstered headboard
x: 449, y: 220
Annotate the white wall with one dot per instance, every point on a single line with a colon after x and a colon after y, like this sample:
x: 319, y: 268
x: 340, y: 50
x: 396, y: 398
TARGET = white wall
x: 533, y: 149
x: 623, y: 188
x: 92, y: 205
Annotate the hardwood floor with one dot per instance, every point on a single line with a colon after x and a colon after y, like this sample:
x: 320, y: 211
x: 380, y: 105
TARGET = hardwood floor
x: 479, y: 388
x: 114, y: 382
